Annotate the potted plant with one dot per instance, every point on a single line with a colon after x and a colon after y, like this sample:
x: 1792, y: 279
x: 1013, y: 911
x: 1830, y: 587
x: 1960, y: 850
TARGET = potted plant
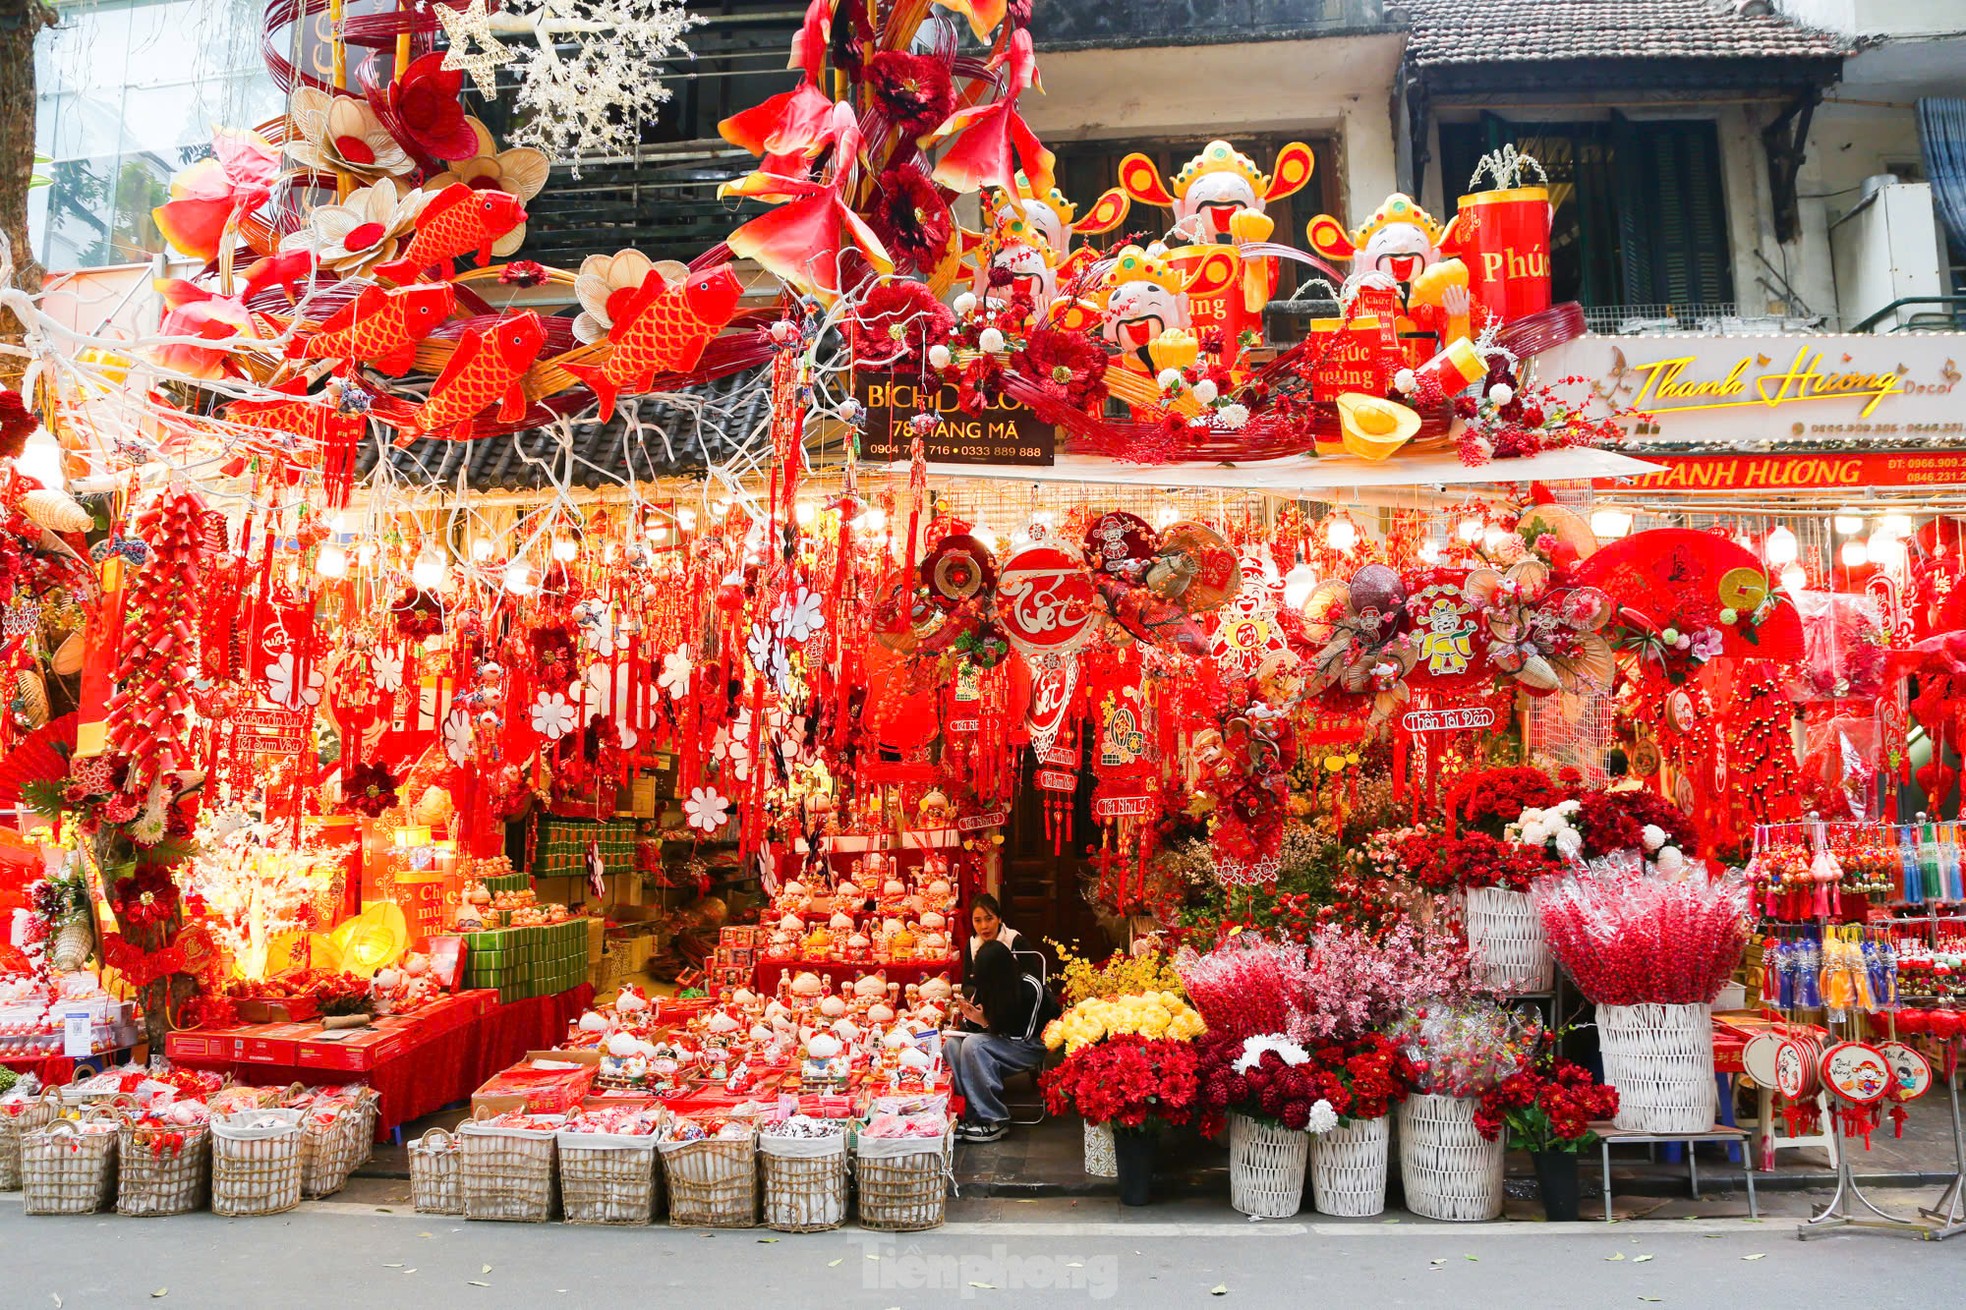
x: 1137, y: 1084
x: 1090, y: 992
x: 1651, y: 954
x: 1547, y: 1111
x: 1267, y: 1088
x: 1363, y: 1080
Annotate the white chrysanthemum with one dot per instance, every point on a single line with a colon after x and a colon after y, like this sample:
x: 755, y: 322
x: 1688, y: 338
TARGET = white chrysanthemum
x: 1323, y: 1118
x: 1654, y: 836
x: 1253, y: 1048
x: 1568, y: 843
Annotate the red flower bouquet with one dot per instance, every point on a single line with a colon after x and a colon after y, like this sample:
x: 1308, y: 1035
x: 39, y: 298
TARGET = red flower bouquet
x: 1489, y: 800
x: 1127, y: 1081
x: 1265, y: 1078
x: 1476, y: 859
x: 1546, y: 1111
x: 1617, y: 820
x: 897, y: 322
x: 1067, y: 365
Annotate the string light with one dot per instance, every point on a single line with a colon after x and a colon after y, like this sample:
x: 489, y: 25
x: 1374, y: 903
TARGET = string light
x: 1854, y: 554
x: 1342, y: 535
x: 428, y: 571
x: 332, y: 562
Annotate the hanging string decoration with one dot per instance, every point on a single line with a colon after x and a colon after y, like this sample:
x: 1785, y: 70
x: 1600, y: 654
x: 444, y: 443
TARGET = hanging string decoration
x: 150, y: 715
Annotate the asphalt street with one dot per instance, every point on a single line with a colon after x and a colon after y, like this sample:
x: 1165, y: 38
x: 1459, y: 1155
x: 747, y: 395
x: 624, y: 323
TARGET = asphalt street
x: 344, y: 1253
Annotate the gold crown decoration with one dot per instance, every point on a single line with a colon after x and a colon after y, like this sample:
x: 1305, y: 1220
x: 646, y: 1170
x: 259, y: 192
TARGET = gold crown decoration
x: 1009, y: 225
x: 1054, y: 200
x: 1397, y: 209
x: 1132, y: 264
x: 1220, y: 157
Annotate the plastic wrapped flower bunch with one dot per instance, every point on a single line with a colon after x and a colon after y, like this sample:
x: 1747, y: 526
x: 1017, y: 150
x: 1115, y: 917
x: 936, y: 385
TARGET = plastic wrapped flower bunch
x: 1463, y: 1048
x: 1150, y: 1014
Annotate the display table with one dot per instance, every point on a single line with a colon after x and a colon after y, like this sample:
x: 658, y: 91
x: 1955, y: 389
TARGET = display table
x: 417, y: 1063
x: 1609, y: 1136
x: 765, y: 976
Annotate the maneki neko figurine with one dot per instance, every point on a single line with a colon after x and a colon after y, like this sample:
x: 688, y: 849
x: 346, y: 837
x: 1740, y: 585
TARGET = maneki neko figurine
x: 1403, y: 243
x: 1220, y: 198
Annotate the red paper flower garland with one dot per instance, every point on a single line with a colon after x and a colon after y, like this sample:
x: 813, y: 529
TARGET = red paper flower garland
x: 149, y: 715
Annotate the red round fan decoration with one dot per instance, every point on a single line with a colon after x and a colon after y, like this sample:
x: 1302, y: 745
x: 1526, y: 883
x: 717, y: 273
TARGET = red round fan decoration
x: 1680, y: 578
x: 36, y: 758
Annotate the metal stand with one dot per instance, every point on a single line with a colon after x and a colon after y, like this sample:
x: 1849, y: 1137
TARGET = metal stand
x: 1951, y: 1208
x: 1841, y: 1212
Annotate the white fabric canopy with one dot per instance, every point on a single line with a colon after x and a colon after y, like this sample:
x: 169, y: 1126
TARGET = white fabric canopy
x: 1314, y: 477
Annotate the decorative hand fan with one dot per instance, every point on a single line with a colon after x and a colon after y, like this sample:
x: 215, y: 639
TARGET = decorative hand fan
x: 42, y: 756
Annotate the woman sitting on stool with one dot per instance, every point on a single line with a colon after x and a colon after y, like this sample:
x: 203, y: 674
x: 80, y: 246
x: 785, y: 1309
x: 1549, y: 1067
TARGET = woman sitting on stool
x: 1011, y: 1008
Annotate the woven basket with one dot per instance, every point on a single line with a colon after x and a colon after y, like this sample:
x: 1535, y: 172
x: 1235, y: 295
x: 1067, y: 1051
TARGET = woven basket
x: 436, y: 1173
x: 712, y: 1184
x: 371, y: 1112
x: 255, y: 1171
x: 1448, y: 1169
x: 1348, y: 1168
x: 1660, y: 1058
x: 67, y: 1171
x: 507, y: 1174
x: 904, y: 1184
x: 34, y: 1114
x: 804, y: 1183
x: 329, y: 1152
x: 607, y: 1179
x: 1266, y: 1167
x: 1505, y: 939
x: 1100, y: 1161
x: 156, y: 1177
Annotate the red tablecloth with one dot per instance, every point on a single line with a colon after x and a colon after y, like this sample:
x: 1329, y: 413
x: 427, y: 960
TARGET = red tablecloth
x: 430, y: 1070
x: 765, y: 976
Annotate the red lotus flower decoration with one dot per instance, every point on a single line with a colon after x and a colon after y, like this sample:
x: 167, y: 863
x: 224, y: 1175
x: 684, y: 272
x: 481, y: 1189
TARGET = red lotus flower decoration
x: 989, y: 143
x: 427, y: 116
x: 913, y: 91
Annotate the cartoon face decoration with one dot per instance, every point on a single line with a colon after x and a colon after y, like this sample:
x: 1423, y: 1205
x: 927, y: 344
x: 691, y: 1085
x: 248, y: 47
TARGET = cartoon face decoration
x: 1138, y: 312
x: 1147, y: 295
x: 1400, y: 240
x: 1031, y: 272
x: 1215, y: 186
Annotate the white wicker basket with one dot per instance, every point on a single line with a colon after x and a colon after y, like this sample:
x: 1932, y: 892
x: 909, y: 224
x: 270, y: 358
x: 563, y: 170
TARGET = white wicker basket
x: 1448, y: 1170
x: 1266, y: 1167
x: 1348, y: 1168
x: 1660, y: 1058
x: 1505, y: 939
x: 1100, y: 1161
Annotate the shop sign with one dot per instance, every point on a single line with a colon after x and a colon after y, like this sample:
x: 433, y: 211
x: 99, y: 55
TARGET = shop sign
x: 1449, y: 720
x: 1005, y: 432
x: 1799, y: 472
x: 1726, y: 390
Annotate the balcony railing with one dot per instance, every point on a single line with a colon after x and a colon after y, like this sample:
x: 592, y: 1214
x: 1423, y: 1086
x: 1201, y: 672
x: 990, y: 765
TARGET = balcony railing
x: 1083, y: 24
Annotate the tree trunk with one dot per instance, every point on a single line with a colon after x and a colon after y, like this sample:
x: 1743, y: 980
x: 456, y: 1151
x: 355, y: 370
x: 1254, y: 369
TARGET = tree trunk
x: 20, y: 22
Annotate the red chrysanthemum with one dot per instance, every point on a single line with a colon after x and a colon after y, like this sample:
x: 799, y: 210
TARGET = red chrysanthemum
x: 911, y: 218
x: 1068, y: 364
x: 896, y: 323
x: 914, y: 92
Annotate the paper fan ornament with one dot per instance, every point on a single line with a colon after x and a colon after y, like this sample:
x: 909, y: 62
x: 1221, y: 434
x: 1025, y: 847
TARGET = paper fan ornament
x: 41, y: 756
x: 1353, y: 628
x: 1544, y: 640
x: 1196, y: 567
x: 1684, y: 579
x: 1574, y: 540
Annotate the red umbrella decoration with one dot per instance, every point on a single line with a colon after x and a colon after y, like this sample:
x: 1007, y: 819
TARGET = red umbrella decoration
x: 1691, y: 581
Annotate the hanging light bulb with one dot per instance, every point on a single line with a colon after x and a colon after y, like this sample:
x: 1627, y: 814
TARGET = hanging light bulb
x: 1886, y: 551
x: 41, y: 459
x: 1166, y: 515
x: 518, y: 578
x: 337, y: 524
x: 1342, y: 535
x: 874, y: 519
x: 1297, y: 585
x: 428, y: 571
x: 805, y: 512
x: 1795, y: 578
x: 1896, y: 525
x: 1847, y: 523
x: 1430, y: 551
x: 481, y: 549
x: 1780, y: 547
x: 686, y: 517
x: 984, y: 535
x: 332, y: 562
x: 1854, y: 554
x: 365, y: 554
x: 1468, y: 530
x: 1493, y: 540
x: 1610, y: 524
x: 565, y: 549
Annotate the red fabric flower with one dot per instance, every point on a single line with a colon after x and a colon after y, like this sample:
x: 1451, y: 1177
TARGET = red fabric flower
x: 368, y: 789
x: 424, y: 104
x: 17, y: 423
x: 914, y: 92
x: 1066, y: 363
x: 911, y: 218
x: 897, y: 322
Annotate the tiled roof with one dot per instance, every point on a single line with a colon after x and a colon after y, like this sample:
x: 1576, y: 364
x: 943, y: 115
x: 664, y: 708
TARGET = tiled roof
x: 681, y: 434
x: 1456, y: 32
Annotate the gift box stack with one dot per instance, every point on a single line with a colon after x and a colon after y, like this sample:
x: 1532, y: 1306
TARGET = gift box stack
x: 734, y: 959
x: 563, y: 845
x: 520, y: 963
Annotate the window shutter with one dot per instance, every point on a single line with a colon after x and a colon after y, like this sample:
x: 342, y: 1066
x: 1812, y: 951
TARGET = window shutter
x: 1636, y: 196
x: 1686, y: 211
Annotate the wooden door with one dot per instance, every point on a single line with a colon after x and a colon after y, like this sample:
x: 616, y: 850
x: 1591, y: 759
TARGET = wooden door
x: 1042, y: 892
